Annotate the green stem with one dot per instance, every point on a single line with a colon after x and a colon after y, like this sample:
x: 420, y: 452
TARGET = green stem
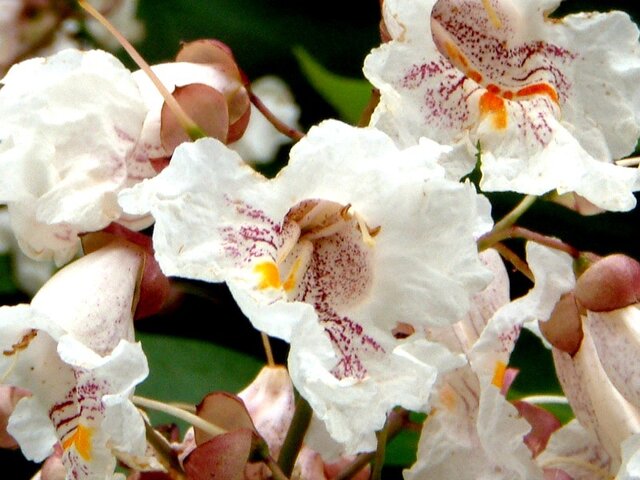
x: 276, y: 471
x: 167, y: 456
x: 378, y: 462
x: 397, y: 421
x: 295, y: 435
x: 488, y: 239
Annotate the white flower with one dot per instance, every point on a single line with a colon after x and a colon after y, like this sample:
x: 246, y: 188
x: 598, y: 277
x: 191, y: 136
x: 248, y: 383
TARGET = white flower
x: 573, y: 451
x: 351, y: 238
x: 68, y: 127
x: 72, y: 349
x: 261, y: 141
x: 474, y: 432
x: 550, y: 102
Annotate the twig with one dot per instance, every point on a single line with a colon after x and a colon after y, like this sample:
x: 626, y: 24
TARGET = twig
x: 293, y: 441
x: 279, y: 125
x: 510, y: 256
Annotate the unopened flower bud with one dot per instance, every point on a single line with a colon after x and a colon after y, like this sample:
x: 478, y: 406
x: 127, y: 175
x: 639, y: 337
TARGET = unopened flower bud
x: 609, y: 284
x: 564, y: 327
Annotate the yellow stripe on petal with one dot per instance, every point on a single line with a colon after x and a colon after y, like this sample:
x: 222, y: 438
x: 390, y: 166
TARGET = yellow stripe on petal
x: 81, y: 440
x: 269, y: 275
x: 290, y: 283
x: 491, y: 13
x: 498, y: 374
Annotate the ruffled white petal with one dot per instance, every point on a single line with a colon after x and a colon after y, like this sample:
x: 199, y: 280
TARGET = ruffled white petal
x: 530, y: 92
x: 68, y: 126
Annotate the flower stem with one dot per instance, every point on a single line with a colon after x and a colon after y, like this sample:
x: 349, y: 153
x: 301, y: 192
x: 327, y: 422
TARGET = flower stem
x: 488, y: 239
x: 295, y: 435
x: 397, y: 421
x: 276, y: 471
x: 378, y: 461
x: 279, y: 125
x: 190, y: 418
x: 166, y: 455
x: 189, y: 126
x: 510, y: 256
x: 267, y: 349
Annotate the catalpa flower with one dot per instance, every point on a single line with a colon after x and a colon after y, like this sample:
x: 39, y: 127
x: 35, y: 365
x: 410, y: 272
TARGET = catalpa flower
x: 351, y: 238
x: 68, y: 128
x: 73, y: 350
x: 473, y: 431
x: 548, y: 102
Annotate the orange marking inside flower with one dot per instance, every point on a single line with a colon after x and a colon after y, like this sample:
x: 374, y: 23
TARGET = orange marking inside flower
x: 493, y: 88
x: 269, y: 275
x: 539, y: 89
x: 498, y: 374
x: 492, y: 104
x: 81, y: 440
x: 475, y: 76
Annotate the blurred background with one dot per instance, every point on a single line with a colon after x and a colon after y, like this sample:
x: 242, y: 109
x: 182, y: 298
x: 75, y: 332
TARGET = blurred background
x: 201, y: 342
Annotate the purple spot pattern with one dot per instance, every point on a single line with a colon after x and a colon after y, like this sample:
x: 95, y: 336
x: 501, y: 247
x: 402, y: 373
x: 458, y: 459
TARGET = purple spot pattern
x: 338, y: 277
x: 258, y: 236
x: 447, y: 93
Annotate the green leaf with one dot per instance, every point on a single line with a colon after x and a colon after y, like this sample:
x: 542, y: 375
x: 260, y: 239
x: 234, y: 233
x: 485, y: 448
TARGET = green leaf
x: 7, y: 285
x: 348, y: 96
x: 401, y: 451
x: 185, y: 370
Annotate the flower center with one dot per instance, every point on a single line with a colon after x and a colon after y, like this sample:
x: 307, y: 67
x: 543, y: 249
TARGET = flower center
x: 324, y: 255
x: 483, y: 43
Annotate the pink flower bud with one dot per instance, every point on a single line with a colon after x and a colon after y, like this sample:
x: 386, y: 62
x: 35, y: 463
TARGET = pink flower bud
x: 609, y: 284
x: 564, y: 328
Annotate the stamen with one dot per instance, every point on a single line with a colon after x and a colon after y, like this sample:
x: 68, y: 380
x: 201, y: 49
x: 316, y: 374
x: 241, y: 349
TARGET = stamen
x: 308, y: 220
x: 327, y: 230
x: 629, y: 162
x: 374, y: 231
x: 344, y: 212
x: 491, y: 13
x: 367, y: 237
